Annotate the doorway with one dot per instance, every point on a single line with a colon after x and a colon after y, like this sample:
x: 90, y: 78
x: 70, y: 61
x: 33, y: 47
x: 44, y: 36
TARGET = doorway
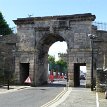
x: 24, y: 72
x: 77, y: 73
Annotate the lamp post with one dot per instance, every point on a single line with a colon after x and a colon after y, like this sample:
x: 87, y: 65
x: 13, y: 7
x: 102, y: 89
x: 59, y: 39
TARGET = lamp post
x: 67, y: 76
x: 92, y: 37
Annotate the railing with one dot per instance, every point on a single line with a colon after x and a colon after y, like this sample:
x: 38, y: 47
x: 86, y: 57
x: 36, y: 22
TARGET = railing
x: 101, y: 25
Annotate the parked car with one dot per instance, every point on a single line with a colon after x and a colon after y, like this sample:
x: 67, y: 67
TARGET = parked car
x: 82, y: 77
x: 65, y: 77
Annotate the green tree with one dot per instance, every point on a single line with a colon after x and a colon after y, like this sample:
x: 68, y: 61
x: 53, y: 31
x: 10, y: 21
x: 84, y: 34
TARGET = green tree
x: 61, y: 66
x: 51, y: 61
x: 4, y: 27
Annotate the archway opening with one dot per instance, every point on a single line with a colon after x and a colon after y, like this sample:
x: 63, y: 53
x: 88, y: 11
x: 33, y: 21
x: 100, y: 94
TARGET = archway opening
x: 44, y: 47
x: 79, y: 74
x: 58, y: 48
x: 83, y: 73
x: 58, y: 67
x: 24, y: 72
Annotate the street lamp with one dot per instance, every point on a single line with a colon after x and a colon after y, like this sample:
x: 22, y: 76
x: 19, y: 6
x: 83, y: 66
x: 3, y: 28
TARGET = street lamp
x: 67, y: 76
x: 92, y: 37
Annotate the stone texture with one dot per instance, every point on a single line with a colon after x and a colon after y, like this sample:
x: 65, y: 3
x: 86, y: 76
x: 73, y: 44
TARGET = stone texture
x: 37, y: 34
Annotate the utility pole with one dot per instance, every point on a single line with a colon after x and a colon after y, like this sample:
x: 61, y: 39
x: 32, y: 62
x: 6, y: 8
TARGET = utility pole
x: 92, y: 67
x: 92, y: 37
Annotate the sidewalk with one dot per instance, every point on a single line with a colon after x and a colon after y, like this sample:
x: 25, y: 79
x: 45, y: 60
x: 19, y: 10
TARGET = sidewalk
x: 81, y: 97
x: 11, y: 88
x: 102, y: 100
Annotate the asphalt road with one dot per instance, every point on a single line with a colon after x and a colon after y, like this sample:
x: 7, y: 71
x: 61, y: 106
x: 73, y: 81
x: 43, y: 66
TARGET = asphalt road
x: 32, y: 97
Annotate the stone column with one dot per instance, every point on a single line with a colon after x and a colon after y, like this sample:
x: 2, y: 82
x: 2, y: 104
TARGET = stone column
x: 40, y: 70
x: 35, y: 70
x: 31, y: 70
x: 45, y: 76
x: 101, y: 80
x: 88, y: 75
x: 70, y: 59
x: 17, y: 70
x: 71, y: 74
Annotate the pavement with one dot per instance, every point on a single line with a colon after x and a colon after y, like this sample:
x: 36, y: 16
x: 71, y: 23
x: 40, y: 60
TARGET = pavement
x: 70, y: 97
x: 80, y: 97
x: 12, y: 88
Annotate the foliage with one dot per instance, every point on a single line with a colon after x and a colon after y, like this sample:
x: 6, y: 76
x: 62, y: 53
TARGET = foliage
x: 51, y: 59
x: 61, y: 62
x: 60, y: 65
x: 4, y: 27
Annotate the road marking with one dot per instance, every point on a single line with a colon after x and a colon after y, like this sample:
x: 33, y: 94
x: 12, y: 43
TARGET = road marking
x: 54, y: 102
x: 97, y: 101
x: 63, y: 98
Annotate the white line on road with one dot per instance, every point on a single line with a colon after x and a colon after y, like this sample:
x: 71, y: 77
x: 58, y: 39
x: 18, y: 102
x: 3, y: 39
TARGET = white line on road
x: 57, y: 100
x: 97, y: 101
x: 62, y: 99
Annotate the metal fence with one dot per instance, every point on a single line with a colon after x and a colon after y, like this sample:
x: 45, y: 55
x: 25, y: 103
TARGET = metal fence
x: 100, y: 25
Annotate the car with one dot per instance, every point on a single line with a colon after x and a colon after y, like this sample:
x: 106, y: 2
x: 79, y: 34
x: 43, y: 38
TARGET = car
x: 82, y: 77
x: 65, y: 77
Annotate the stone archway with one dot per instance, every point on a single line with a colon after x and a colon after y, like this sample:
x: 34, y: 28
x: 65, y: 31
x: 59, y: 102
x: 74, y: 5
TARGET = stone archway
x: 37, y: 34
x: 42, y: 49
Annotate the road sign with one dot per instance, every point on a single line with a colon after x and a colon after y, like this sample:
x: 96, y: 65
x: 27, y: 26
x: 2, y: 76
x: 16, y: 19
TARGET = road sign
x: 28, y: 80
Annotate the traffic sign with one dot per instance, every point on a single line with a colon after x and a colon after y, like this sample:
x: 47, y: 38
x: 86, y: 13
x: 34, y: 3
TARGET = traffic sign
x: 28, y: 80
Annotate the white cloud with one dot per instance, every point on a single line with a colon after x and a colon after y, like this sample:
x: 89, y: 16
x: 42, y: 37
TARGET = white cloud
x: 83, y: 68
x: 57, y: 47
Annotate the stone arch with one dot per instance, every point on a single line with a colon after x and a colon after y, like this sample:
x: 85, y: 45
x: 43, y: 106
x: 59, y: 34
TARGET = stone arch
x: 44, y: 31
x: 42, y: 49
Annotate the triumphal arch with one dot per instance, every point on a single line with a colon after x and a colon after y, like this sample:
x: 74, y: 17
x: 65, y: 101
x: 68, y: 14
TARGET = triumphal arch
x: 37, y: 34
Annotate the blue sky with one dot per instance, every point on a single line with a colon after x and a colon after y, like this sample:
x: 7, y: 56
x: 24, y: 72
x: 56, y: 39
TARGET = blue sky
x: 13, y: 9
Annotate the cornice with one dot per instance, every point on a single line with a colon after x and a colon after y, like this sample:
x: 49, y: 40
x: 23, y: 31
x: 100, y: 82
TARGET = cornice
x: 75, y: 17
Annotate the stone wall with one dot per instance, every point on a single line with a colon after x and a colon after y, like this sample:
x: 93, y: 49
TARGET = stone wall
x: 36, y: 35
x: 7, y: 55
x: 101, y: 46
x: 101, y: 80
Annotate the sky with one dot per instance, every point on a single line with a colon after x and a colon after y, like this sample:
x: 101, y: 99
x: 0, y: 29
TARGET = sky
x: 58, y: 47
x: 13, y: 9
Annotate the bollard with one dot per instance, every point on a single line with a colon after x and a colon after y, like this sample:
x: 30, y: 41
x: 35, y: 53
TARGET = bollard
x: 106, y: 94
x: 67, y: 84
